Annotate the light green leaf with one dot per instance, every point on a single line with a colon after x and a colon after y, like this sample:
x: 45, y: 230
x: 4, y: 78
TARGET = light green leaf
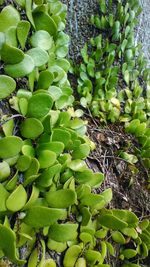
x: 16, y: 54
x: 21, y: 69
x: 9, y: 16
x: 56, y: 246
x: 46, y: 178
x: 8, y: 244
x: 39, y: 105
x: 71, y: 255
x: 41, y: 39
x: 55, y: 92
x: 45, y: 22
x: 46, y: 158
x: 118, y: 237
x: 61, y: 135
x: 129, y: 253
x: 77, y: 165
x: 39, y: 56
x: 10, y: 146
x: 63, y: 232
x: 23, y: 29
x: 3, y: 196
x: 39, y: 216
x: 62, y: 198
x: 45, y: 79
x: 7, y: 86
x: 81, y: 152
x: 4, y: 171
x: 112, y: 222
x: 31, y: 128
x: 17, y: 199
x: 23, y: 163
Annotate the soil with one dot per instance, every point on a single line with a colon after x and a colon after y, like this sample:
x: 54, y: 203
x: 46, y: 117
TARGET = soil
x: 128, y: 182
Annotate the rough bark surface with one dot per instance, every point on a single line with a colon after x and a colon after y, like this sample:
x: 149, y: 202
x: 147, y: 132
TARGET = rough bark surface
x: 143, y: 29
x: 79, y: 29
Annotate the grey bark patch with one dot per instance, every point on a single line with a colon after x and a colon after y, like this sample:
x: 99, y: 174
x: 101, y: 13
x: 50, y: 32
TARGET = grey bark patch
x: 78, y: 24
x: 80, y: 30
x: 143, y: 29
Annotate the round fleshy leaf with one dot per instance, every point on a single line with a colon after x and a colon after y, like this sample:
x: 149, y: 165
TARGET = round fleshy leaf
x: 33, y: 197
x: 45, y: 79
x: 16, y: 54
x: 62, y: 51
x: 127, y: 216
x: 11, y: 36
x: 130, y: 232
x: 46, y: 178
x: 39, y: 216
x: 62, y: 102
x: 12, y: 161
x: 7, y: 86
x: 71, y: 255
x: 112, y: 222
x: 31, y: 128
x: 63, y: 232
x: 23, y: 93
x: 23, y: 163
x: 82, y: 262
x: 2, y: 39
x: 12, y: 183
x: 59, y: 73
x: 10, y: 146
x: 23, y: 106
x: 63, y: 63
x: 46, y: 158
x: 56, y: 246
x: 61, y: 135
x: 45, y: 22
x: 21, y: 69
x: 55, y: 92
x: 33, y: 168
x: 77, y: 165
x: 129, y: 253
x: 8, y: 126
x: 89, y: 178
x: 93, y: 200
x: 28, y: 150
x: 81, y: 152
x: 39, y: 105
x: 3, y: 196
x: 39, y: 56
x: 8, y: 244
x: 4, y: 171
x: 61, y: 199
x: 41, y: 39
x: 17, y: 199
x: 23, y: 28
x: 9, y: 16
x: 49, y: 263
x: 56, y: 147
x: 118, y: 237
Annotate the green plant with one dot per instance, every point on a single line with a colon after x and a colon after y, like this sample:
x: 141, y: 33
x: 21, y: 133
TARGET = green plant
x: 109, y: 75
x: 42, y: 164
x: 48, y: 198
